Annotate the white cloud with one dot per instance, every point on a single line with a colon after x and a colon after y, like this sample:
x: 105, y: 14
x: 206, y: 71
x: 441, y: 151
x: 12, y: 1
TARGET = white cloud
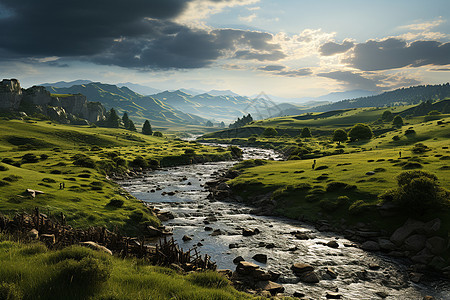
x: 199, y: 10
x: 425, y: 26
x: 248, y: 19
x: 254, y: 8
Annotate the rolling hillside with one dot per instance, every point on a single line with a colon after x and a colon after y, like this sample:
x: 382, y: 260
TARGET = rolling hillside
x: 138, y: 107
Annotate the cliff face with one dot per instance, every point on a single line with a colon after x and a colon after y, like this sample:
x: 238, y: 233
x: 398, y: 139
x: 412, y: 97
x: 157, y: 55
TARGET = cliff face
x: 10, y: 94
x: 62, y: 108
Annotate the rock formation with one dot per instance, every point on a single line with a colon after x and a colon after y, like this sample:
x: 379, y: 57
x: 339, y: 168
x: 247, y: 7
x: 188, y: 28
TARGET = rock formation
x: 61, y: 108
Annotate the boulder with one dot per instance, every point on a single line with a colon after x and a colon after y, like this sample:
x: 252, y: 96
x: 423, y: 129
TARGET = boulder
x: 186, y: 238
x: 415, y: 242
x: 432, y: 226
x: 330, y: 273
x: 438, y: 263
x: 238, y: 259
x: 302, y: 236
x: 246, y: 268
x: 423, y: 257
x: 262, y: 258
x: 33, y: 234
x: 370, y: 246
x: 250, y: 232
x: 95, y: 246
x: 386, y: 244
x: 233, y: 246
x: 309, y: 277
x: 216, y: 232
x: 333, y: 295
x: 415, y: 277
x: 270, y: 286
x: 400, y: 235
x: 332, y: 244
x: 436, y: 245
x: 299, y: 268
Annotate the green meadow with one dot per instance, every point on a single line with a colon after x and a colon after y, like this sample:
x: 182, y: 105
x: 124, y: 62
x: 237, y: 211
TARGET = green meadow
x: 41, y: 155
x: 30, y: 271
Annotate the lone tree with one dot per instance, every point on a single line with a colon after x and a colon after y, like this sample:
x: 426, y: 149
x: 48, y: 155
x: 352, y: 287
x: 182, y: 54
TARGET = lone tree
x: 398, y: 121
x: 305, y: 133
x: 339, y: 136
x: 112, y: 119
x: 147, y: 128
x: 360, y: 132
x: 125, y: 120
x: 209, y: 124
x: 387, y: 116
x: 131, y: 126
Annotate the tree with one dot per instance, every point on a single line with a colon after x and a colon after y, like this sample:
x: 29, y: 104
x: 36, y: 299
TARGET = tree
x: 339, y: 136
x: 270, y: 132
x: 209, y: 124
x: 147, y: 128
x: 131, y: 126
x: 222, y: 125
x: 305, y: 133
x: 360, y: 132
x: 125, y: 120
x: 387, y: 116
x: 398, y: 121
x: 241, y: 122
x: 112, y: 119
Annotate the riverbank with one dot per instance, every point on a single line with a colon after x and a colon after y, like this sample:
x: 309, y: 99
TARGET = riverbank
x: 217, y: 228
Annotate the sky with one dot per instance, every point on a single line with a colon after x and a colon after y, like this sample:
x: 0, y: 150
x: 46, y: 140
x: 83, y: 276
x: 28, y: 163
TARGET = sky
x: 287, y: 48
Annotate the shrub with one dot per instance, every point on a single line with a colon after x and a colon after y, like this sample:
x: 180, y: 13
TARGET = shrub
x: 417, y: 192
x: 118, y: 203
x: 335, y: 186
x: 396, y: 138
x: 410, y: 132
x: 82, y: 160
x: 270, y: 132
x: 251, y: 139
x: 12, y: 178
x: 44, y: 156
x: 33, y: 249
x: 398, y: 121
x: 3, y: 168
x: 306, y: 133
x: 420, y: 148
x: 138, y: 162
x: 49, y: 180
x: 158, y: 134
x: 411, y: 165
x: 328, y: 205
x: 8, y: 161
x: 29, y: 158
x: 88, y: 271
x: 154, y: 163
x: 387, y: 116
x: 236, y: 152
x: 339, y: 136
x: 360, y: 132
x: 189, y: 151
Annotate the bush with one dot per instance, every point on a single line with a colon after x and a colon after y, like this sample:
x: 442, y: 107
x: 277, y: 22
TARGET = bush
x: 335, y: 186
x: 138, y: 162
x: 118, y: 203
x: 87, y: 272
x: 396, y: 138
x: 251, y: 139
x: 305, y: 133
x: 3, y: 168
x: 357, y: 207
x: 387, y: 116
x: 82, y: 160
x: 236, y: 152
x: 29, y: 158
x: 158, y: 134
x: 49, y: 180
x: 339, y: 136
x: 420, y: 148
x: 328, y: 205
x: 417, y: 192
x: 270, y: 132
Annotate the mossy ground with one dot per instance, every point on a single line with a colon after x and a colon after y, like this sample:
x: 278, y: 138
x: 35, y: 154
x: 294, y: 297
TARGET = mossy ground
x: 30, y: 271
x: 52, y: 149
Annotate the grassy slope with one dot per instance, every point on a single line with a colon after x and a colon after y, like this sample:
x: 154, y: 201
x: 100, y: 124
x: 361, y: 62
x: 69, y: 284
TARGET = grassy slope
x: 32, y: 272
x: 87, y: 193
x: 351, y: 168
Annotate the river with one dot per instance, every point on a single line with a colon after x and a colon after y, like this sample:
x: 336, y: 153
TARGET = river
x: 194, y: 213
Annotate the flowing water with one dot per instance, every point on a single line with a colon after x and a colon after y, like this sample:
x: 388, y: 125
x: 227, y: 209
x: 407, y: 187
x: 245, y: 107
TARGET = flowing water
x: 192, y: 209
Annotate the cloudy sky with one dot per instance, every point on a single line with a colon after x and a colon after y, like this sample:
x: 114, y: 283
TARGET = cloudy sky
x: 288, y: 48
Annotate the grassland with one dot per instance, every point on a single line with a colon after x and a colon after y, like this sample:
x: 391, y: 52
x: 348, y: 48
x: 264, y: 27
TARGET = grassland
x: 339, y: 189
x: 41, y: 155
x: 30, y: 271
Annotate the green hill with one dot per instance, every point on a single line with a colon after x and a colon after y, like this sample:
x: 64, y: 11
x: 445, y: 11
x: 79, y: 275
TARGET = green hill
x: 138, y: 107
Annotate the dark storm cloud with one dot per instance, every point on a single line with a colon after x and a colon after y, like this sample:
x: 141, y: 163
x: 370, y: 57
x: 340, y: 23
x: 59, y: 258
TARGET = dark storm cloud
x: 395, y: 53
x: 187, y: 48
x: 332, y: 48
x: 133, y: 33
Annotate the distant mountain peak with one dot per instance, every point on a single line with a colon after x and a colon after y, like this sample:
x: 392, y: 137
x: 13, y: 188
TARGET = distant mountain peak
x: 67, y: 84
x: 222, y: 93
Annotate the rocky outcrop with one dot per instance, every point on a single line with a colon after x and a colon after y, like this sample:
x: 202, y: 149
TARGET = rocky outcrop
x: 10, y: 94
x: 61, y: 108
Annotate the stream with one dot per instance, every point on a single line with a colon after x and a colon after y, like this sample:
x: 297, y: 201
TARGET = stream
x: 193, y: 212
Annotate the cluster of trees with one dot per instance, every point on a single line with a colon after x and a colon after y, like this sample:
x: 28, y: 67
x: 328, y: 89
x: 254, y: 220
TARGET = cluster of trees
x: 241, y: 122
x: 358, y: 132
x: 411, y: 95
x: 114, y: 121
x: 210, y: 124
